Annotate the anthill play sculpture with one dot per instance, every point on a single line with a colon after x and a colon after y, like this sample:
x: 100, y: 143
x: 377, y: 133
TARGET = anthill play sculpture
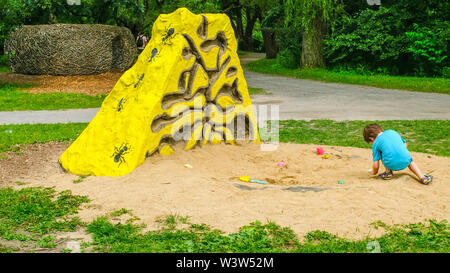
x: 186, y: 89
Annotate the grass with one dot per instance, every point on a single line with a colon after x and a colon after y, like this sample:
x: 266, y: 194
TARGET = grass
x: 80, y: 179
x: 12, y: 136
x: 242, y: 53
x: 257, y: 91
x: 13, y: 99
x: 435, y: 85
x: 5, y: 69
x: 178, y: 235
x: 30, y: 214
x: 427, y: 136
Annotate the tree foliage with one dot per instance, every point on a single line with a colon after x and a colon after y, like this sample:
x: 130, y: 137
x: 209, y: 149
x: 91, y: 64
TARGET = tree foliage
x: 304, y: 13
x: 399, y: 37
x: 408, y: 37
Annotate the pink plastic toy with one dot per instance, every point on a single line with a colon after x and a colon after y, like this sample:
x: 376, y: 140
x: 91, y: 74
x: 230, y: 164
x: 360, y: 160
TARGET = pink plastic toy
x: 320, y: 150
x: 281, y: 164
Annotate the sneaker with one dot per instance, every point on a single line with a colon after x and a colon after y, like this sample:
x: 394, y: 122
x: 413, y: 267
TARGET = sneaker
x: 386, y: 176
x: 427, y: 179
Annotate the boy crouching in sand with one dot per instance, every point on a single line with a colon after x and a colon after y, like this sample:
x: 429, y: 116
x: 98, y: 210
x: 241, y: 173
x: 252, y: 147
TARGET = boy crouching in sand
x: 391, y: 149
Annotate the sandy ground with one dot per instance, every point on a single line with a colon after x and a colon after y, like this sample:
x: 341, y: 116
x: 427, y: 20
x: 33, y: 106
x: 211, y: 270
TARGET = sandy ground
x: 304, y: 195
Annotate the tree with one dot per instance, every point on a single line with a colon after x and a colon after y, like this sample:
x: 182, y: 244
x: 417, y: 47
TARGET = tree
x: 243, y: 15
x: 271, y: 26
x: 312, y: 16
x: 126, y: 13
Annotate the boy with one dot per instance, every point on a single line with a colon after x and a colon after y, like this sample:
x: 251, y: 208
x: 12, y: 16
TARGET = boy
x: 391, y: 149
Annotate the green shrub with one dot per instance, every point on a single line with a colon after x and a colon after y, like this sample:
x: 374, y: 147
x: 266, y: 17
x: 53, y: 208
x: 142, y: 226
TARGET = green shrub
x: 372, y: 38
x: 287, y: 58
x: 428, y: 51
x: 288, y: 39
x: 257, y: 38
x: 446, y: 72
x: 395, y: 40
x: 4, y: 60
x: 290, y: 44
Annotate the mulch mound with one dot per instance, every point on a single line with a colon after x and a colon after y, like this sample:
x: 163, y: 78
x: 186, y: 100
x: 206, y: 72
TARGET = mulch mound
x: 87, y: 84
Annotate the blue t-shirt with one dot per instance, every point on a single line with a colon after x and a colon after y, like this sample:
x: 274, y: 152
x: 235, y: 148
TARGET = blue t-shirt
x: 390, y: 148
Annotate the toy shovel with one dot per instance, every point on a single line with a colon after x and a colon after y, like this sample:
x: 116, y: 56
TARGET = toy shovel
x: 247, y: 179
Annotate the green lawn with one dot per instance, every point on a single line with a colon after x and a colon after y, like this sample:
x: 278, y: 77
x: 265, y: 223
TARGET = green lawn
x: 29, y: 216
x: 257, y: 91
x: 4, y: 69
x: 242, y: 53
x: 13, y: 99
x: 435, y: 85
x: 427, y: 136
x: 13, y: 135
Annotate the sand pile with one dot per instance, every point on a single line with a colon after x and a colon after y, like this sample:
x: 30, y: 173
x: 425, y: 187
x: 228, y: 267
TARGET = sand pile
x: 304, y: 195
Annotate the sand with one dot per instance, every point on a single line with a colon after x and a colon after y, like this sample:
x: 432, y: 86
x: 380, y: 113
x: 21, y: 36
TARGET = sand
x: 304, y: 195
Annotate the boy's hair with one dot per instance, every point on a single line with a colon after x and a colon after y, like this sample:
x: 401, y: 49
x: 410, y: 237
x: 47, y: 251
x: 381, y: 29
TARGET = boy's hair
x: 371, y: 131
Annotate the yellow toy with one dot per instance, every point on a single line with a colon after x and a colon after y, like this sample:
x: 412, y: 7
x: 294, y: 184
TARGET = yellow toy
x: 247, y: 179
x: 186, y: 89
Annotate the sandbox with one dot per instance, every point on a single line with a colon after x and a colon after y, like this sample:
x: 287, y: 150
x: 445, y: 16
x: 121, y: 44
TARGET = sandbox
x: 304, y: 195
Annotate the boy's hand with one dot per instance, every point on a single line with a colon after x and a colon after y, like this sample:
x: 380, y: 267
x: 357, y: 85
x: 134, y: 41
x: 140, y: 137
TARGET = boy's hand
x: 375, y: 168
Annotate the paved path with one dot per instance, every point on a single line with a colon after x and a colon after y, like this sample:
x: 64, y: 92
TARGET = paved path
x: 301, y: 100
x: 34, y: 117
x: 306, y: 99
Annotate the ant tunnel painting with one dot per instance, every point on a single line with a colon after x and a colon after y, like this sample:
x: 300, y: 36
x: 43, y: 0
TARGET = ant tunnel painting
x: 186, y: 89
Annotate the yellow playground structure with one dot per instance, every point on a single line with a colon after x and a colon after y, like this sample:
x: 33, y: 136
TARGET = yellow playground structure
x: 186, y: 89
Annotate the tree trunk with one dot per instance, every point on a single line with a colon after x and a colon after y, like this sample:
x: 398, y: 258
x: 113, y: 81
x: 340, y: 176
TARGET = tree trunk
x: 312, y: 44
x: 270, y: 44
x: 239, y: 25
x: 248, y: 38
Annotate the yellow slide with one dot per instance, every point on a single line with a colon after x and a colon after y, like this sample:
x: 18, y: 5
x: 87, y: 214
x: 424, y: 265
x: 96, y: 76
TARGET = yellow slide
x: 186, y: 89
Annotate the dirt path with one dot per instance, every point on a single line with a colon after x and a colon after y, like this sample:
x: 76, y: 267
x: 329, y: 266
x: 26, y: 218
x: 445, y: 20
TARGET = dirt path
x: 304, y: 195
